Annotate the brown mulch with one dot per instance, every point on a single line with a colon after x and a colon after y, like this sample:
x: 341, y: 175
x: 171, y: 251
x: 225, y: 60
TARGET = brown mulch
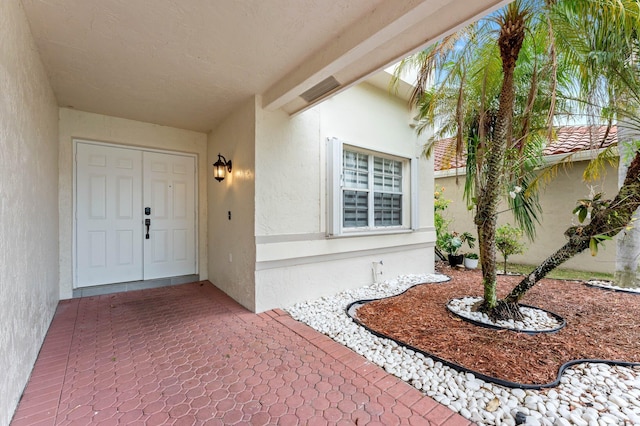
x: 601, y: 324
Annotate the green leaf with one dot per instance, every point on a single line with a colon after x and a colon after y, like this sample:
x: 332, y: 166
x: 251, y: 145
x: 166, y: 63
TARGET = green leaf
x: 582, y: 215
x: 593, y: 246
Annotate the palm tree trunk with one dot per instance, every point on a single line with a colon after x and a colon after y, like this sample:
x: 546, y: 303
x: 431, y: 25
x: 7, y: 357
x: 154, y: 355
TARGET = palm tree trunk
x: 608, y: 222
x: 565, y: 253
x: 628, y: 243
x: 512, y: 32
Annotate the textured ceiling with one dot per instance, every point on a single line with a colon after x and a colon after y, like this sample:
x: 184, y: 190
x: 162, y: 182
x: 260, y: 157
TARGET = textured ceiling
x: 189, y: 63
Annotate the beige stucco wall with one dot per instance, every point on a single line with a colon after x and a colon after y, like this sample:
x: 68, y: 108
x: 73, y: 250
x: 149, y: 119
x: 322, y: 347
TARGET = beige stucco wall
x: 28, y: 205
x: 295, y: 260
x: 231, y: 242
x: 88, y: 126
x: 558, y: 199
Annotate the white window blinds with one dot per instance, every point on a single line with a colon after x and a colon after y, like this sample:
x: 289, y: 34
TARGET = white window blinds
x: 368, y: 190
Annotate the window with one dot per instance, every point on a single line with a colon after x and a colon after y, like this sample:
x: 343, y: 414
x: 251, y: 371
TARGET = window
x: 369, y: 190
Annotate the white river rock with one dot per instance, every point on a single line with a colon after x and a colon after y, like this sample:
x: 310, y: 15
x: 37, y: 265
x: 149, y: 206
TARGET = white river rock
x: 615, y: 389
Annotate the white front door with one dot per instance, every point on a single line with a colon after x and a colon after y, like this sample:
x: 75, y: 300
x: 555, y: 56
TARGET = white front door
x: 169, y: 193
x: 108, y: 226
x: 113, y: 187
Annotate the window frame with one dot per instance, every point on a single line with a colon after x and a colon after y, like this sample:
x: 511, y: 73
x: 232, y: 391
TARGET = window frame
x: 336, y: 188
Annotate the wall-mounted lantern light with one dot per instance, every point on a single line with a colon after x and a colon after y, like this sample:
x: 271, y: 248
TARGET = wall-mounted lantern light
x: 220, y: 168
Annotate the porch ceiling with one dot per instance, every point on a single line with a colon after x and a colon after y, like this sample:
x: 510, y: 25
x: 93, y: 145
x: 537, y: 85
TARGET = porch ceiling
x: 189, y: 63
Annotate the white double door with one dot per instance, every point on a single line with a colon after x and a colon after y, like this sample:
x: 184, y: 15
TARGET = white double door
x: 135, y: 215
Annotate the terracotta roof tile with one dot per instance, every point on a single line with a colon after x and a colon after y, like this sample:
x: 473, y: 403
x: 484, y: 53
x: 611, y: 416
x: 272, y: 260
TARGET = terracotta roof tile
x: 568, y: 139
x: 444, y: 155
x: 579, y: 138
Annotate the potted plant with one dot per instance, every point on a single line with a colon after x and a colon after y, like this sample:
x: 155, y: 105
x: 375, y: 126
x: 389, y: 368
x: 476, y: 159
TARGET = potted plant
x: 452, y: 243
x: 470, y: 260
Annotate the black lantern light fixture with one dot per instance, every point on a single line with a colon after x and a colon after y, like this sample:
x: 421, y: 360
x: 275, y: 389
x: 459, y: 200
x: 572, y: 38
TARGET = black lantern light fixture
x: 220, y: 168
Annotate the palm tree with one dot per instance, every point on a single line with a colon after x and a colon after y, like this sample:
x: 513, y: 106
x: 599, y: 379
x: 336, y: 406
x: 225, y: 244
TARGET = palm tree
x: 512, y: 24
x: 482, y: 75
x: 479, y: 81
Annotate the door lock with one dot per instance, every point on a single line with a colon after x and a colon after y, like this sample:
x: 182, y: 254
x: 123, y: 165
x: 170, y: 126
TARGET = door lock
x: 147, y: 223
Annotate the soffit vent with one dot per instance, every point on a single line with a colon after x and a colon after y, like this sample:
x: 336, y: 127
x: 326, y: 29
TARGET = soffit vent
x: 320, y: 89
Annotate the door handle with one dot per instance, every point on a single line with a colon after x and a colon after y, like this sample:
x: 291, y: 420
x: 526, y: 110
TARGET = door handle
x: 147, y: 223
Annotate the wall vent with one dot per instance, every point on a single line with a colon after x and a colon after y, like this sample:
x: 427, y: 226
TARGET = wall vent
x: 320, y: 89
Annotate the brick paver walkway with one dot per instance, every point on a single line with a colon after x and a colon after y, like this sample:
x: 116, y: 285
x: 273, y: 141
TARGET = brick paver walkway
x: 189, y: 354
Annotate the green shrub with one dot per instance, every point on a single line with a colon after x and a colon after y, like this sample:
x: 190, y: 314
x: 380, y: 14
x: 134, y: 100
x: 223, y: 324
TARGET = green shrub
x: 441, y: 224
x: 508, y: 242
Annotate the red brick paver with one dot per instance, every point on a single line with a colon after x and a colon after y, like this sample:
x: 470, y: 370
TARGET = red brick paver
x: 189, y: 354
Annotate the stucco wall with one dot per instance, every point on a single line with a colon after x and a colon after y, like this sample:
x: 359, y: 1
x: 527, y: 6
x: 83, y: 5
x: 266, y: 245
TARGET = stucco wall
x: 294, y: 259
x: 28, y: 205
x: 558, y: 199
x: 96, y: 127
x: 231, y: 242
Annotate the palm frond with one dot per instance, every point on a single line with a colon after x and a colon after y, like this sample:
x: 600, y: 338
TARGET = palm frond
x: 526, y: 207
x: 596, y: 168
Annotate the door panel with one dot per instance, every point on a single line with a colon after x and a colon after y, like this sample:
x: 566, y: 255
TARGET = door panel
x: 98, y: 197
x: 97, y: 249
x: 170, y: 193
x: 108, y: 229
x: 125, y: 197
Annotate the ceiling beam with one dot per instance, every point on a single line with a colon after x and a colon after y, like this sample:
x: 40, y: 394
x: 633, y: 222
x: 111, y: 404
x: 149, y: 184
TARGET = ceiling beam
x: 386, y: 35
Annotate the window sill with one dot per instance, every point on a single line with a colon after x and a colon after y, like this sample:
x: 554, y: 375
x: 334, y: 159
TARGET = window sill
x: 372, y: 233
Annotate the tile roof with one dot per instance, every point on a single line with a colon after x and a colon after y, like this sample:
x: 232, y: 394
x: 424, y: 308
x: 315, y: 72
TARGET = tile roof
x: 568, y: 139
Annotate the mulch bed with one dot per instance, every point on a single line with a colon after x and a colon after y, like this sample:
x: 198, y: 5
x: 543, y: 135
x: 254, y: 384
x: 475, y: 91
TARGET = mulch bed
x: 601, y: 324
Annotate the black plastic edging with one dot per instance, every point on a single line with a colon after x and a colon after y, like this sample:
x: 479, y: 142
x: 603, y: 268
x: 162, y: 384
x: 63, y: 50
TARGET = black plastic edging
x: 481, y: 376
x: 558, y: 318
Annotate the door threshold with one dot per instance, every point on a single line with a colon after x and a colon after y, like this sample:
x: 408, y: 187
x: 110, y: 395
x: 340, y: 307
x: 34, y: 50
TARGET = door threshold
x: 99, y: 290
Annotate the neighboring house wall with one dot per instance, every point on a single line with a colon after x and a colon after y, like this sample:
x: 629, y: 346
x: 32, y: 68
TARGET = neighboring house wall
x: 96, y: 127
x: 295, y: 260
x: 28, y: 205
x: 231, y: 241
x: 558, y: 199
